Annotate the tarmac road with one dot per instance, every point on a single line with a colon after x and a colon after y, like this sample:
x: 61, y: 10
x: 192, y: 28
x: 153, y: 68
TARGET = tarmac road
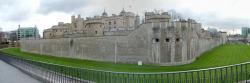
x: 9, y: 74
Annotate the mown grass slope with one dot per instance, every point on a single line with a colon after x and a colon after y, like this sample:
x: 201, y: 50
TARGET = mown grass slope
x: 220, y: 56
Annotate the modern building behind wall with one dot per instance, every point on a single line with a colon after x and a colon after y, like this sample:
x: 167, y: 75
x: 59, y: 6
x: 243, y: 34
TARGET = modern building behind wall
x: 6, y: 39
x: 245, y: 31
x: 2, y: 39
x: 212, y: 30
x: 27, y: 32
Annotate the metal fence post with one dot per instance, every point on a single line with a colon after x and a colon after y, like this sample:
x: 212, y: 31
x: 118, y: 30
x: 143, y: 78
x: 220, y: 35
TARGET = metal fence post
x: 180, y: 79
x: 226, y: 77
x: 216, y: 77
x: 241, y: 72
x: 236, y: 73
x: 232, y: 74
x: 204, y: 76
x: 246, y: 72
x: 186, y: 78
x: 221, y: 76
x: 198, y: 76
x: 174, y: 78
x: 192, y: 74
x: 168, y: 78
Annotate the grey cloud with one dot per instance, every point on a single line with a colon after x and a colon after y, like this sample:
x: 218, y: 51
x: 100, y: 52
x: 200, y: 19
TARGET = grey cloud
x: 229, y: 23
x: 212, y: 19
x: 19, y: 15
x: 67, y: 6
x: 14, y: 10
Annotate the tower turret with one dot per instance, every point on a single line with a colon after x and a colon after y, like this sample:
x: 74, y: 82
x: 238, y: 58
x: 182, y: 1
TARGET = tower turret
x: 105, y: 14
x: 123, y: 12
x: 137, y: 20
x: 73, y: 19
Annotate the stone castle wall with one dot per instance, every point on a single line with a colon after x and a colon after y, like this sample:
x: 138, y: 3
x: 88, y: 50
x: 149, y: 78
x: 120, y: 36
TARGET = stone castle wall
x: 107, y: 48
x: 167, y: 43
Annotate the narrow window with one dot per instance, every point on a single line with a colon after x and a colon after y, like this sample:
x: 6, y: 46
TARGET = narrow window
x: 95, y: 32
x: 167, y: 40
x: 71, y: 42
x: 177, y: 39
x: 157, y: 40
x: 109, y: 23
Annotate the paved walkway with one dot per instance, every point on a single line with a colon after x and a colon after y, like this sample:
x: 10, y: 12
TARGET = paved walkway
x: 9, y: 74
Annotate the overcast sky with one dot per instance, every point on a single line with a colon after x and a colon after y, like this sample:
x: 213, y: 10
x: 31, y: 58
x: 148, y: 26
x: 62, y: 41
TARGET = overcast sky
x: 226, y: 15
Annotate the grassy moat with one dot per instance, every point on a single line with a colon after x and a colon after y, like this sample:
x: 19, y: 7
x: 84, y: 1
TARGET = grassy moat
x: 220, y: 56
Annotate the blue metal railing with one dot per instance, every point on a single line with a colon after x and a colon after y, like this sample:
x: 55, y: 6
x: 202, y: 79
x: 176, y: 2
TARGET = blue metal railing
x: 54, y: 73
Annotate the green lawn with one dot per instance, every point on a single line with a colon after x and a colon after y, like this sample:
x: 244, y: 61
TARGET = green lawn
x: 220, y: 56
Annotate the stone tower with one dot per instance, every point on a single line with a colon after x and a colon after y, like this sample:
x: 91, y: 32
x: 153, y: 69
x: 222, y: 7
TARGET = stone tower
x: 137, y: 20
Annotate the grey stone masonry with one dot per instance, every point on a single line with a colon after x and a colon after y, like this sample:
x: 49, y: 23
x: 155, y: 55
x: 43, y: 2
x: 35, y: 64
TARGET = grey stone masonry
x: 163, y: 43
